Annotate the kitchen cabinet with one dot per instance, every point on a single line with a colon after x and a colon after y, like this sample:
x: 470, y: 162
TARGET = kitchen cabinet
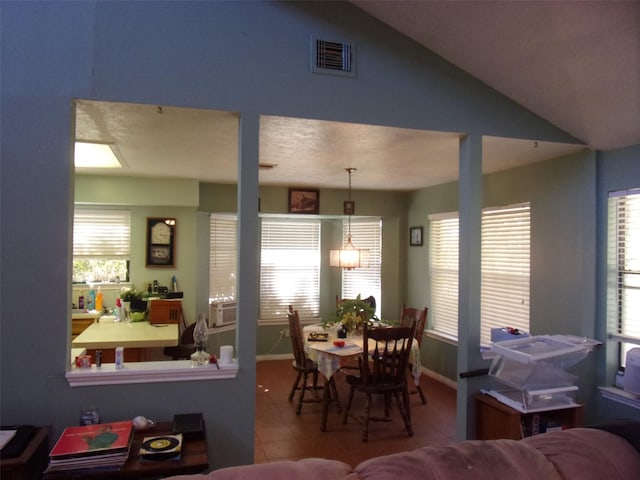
x: 79, y: 325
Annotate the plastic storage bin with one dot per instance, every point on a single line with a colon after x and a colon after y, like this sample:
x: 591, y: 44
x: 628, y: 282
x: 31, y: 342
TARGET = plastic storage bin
x: 534, y: 369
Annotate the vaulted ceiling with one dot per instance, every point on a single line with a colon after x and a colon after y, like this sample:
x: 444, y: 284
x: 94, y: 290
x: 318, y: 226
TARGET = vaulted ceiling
x: 573, y: 63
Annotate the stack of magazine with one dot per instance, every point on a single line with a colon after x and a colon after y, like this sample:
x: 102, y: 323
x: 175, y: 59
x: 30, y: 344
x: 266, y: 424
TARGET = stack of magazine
x: 103, y: 446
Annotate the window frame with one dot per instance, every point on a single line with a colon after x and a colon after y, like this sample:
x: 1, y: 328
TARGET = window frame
x: 306, y: 267
x: 444, y: 271
x: 364, y: 281
x: 623, y: 231
x: 102, y: 234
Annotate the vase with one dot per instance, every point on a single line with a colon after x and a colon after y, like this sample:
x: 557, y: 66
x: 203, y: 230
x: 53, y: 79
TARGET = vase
x: 342, y: 332
x: 356, y: 332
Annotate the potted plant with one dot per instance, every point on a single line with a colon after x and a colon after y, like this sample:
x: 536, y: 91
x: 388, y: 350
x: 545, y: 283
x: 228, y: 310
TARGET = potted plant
x: 353, y: 313
x: 134, y: 298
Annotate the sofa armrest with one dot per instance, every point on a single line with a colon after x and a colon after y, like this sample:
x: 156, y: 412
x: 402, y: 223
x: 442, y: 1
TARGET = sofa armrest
x: 586, y: 453
x: 308, y: 469
x: 470, y: 460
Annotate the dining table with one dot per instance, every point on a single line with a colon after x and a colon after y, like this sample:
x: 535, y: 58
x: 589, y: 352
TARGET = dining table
x: 319, y: 346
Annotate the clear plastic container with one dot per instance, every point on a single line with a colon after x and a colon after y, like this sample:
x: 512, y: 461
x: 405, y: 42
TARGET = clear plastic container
x: 527, y: 401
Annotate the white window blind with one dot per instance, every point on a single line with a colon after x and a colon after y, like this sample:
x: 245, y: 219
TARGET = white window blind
x: 364, y: 281
x: 443, y: 273
x: 290, y: 267
x: 101, y: 234
x: 505, y: 268
x: 623, y: 262
x: 222, y: 258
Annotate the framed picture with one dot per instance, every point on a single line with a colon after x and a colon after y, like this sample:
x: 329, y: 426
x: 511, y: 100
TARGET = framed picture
x: 161, y: 242
x: 304, y: 201
x: 415, y: 236
x: 349, y: 207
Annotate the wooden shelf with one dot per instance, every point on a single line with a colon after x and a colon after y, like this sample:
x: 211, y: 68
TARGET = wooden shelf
x: 497, y: 420
x: 31, y: 462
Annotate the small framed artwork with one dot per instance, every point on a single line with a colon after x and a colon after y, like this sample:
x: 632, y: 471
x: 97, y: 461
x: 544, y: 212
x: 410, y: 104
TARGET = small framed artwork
x: 304, y: 201
x: 349, y: 207
x: 415, y: 236
x: 161, y: 242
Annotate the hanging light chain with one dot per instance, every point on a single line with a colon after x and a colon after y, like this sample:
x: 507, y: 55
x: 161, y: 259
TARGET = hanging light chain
x: 349, y: 170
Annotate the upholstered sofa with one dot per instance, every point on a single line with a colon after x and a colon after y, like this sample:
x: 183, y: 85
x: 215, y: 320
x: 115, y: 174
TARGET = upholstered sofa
x: 580, y: 454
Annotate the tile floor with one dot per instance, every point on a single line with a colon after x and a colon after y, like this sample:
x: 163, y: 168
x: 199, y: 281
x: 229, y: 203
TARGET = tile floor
x: 281, y: 434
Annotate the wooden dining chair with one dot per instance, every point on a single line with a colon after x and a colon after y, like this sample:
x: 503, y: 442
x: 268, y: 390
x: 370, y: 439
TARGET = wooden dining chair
x: 419, y: 316
x: 383, y: 371
x: 304, y: 367
x: 186, y: 344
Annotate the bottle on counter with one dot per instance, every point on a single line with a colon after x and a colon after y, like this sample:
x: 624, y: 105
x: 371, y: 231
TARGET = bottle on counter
x: 118, y: 310
x: 81, y: 302
x: 91, y: 302
x: 99, y: 304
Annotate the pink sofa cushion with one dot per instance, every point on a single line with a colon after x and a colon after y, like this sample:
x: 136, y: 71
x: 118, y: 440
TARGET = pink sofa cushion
x: 585, y: 453
x: 471, y: 460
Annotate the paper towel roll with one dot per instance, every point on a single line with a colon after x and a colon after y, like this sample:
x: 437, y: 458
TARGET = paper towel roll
x: 226, y: 354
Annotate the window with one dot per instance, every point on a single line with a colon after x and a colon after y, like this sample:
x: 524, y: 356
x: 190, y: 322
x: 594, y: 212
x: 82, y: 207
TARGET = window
x: 101, y: 241
x: 222, y: 258
x: 505, y: 270
x: 443, y: 272
x: 623, y: 265
x: 364, y: 281
x: 290, y: 267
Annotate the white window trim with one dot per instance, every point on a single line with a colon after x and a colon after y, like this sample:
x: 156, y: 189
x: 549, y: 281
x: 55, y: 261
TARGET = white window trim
x: 147, y: 372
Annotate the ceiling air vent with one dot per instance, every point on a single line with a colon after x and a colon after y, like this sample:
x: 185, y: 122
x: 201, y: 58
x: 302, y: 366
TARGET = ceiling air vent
x: 334, y: 58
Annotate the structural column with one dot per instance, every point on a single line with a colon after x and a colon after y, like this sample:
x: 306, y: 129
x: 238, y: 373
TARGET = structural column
x: 470, y: 208
x: 247, y: 278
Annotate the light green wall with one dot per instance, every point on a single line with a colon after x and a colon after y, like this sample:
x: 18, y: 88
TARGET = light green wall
x: 562, y: 193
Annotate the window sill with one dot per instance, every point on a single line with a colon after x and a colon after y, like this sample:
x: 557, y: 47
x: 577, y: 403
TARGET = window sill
x: 620, y: 396
x: 148, y: 372
x: 442, y: 337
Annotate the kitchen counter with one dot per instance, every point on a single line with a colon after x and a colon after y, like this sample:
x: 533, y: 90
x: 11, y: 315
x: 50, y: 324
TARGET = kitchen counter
x: 110, y: 334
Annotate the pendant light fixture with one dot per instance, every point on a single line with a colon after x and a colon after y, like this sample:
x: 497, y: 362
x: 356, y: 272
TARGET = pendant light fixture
x: 348, y: 257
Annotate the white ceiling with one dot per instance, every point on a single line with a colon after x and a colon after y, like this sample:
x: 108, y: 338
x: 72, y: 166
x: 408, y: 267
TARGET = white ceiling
x: 575, y: 63
x: 579, y: 68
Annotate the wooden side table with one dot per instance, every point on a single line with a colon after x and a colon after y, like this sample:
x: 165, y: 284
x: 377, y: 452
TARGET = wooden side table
x: 497, y: 420
x: 193, y: 459
x: 31, y: 462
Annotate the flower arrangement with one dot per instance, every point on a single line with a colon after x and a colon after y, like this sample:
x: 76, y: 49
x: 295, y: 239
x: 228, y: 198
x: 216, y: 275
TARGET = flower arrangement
x: 130, y: 294
x: 352, y: 314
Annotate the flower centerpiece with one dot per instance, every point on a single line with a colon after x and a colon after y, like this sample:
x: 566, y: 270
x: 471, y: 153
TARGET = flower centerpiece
x: 352, y: 314
x: 135, y: 299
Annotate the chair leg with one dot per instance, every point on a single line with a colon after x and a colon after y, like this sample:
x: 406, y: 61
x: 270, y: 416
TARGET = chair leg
x: 418, y: 389
x: 295, y: 386
x: 303, y: 389
x: 315, y: 387
x: 422, y: 397
x: 405, y: 410
x: 334, y: 393
x: 367, y: 410
x: 350, y: 401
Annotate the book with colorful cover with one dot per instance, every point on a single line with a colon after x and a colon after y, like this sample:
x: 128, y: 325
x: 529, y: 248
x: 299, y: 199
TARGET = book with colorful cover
x: 93, y: 440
